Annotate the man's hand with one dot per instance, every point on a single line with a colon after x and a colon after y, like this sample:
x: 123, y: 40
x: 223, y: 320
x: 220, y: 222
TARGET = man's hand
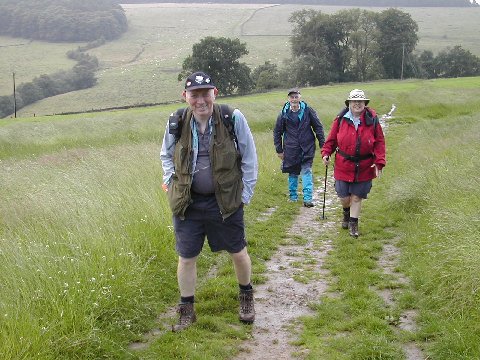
x: 280, y: 155
x: 165, y: 187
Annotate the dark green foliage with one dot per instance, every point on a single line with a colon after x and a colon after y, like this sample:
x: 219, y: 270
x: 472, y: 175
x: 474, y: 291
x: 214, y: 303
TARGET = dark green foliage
x: 361, y: 45
x: 456, y: 62
x: 450, y: 62
x: 426, y: 61
x: 218, y: 57
x: 350, y: 45
x: 266, y: 77
x: 6, y: 106
x: 62, y: 20
x: 317, y: 43
x: 397, y: 39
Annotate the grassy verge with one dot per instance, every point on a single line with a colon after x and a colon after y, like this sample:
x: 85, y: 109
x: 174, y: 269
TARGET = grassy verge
x: 87, y: 259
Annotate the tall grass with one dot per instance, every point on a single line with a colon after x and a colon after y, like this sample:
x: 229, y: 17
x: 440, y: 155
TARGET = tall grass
x: 87, y: 259
x: 438, y: 194
x: 84, y: 237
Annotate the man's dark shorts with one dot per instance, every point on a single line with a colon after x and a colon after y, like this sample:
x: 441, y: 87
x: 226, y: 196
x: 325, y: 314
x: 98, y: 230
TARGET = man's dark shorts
x: 345, y: 189
x: 203, y: 218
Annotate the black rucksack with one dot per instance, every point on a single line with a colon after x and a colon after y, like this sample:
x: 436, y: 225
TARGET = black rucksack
x: 175, y: 122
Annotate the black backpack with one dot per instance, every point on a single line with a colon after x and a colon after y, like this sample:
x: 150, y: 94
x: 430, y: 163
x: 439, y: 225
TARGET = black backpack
x: 175, y: 122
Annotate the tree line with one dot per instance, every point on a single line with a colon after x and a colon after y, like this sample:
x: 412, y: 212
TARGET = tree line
x: 379, y: 3
x: 62, y: 20
x: 351, y: 45
x: 81, y: 76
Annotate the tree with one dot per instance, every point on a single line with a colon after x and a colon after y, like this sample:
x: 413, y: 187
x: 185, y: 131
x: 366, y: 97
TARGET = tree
x: 426, y: 62
x: 219, y: 57
x: 456, y: 62
x: 29, y: 93
x: 397, y: 39
x: 365, y: 63
x: 266, y: 77
x: 338, y: 47
x: 6, y: 106
x: 311, y: 56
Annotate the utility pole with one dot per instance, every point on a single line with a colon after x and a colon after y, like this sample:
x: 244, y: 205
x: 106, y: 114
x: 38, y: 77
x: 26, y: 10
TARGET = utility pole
x: 403, y: 57
x: 14, y: 97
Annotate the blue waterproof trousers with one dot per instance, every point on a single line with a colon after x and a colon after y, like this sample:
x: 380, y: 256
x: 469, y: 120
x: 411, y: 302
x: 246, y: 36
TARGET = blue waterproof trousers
x: 307, y: 184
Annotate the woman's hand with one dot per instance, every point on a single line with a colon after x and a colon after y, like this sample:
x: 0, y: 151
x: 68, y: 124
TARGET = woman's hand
x: 326, y: 160
x: 378, y: 171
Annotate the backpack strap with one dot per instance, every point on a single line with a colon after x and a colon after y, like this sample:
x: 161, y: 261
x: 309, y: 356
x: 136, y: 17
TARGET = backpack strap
x: 340, y: 115
x: 371, y: 119
x: 226, y: 112
x: 175, y: 122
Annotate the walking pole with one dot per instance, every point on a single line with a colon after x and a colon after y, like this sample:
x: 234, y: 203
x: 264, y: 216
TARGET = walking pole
x: 324, y: 192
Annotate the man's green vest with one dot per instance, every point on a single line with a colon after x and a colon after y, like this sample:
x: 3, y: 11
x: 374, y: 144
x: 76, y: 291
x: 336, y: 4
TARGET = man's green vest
x: 225, y: 162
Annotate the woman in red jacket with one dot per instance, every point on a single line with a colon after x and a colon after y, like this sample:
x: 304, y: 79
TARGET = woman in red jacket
x: 357, y: 138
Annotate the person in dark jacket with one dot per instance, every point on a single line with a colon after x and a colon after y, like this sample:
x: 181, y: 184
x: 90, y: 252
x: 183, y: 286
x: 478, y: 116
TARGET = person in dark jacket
x: 294, y: 135
x: 357, y: 138
x: 208, y: 176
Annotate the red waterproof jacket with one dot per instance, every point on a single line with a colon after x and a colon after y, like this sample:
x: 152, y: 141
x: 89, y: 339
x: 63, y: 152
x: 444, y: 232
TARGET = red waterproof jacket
x: 356, y: 150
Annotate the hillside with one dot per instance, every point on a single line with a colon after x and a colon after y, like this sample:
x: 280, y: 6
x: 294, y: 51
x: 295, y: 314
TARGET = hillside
x: 141, y: 67
x: 380, y: 3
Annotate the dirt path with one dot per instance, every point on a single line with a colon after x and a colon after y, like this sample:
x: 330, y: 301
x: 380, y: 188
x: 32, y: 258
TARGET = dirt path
x: 296, y: 279
x: 288, y: 291
x: 285, y: 297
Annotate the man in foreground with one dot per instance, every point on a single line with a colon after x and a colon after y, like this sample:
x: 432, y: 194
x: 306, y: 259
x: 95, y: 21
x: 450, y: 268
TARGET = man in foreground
x: 210, y: 171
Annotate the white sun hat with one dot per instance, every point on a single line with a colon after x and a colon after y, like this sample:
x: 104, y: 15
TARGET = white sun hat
x: 357, y: 94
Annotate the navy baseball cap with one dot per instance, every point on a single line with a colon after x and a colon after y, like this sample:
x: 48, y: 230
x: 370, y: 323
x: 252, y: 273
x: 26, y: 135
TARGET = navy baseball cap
x: 199, y: 80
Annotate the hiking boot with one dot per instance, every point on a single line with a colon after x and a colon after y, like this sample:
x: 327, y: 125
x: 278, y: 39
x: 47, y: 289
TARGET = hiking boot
x: 346, y: 220
x: 308, y: 204
x: 247, y: 308
x: 353, y: 226
x: 186, y: 317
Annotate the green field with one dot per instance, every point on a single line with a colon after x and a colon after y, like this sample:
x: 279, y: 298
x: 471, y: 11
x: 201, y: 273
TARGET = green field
x: 142, y: 66
x: 87, y: 261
